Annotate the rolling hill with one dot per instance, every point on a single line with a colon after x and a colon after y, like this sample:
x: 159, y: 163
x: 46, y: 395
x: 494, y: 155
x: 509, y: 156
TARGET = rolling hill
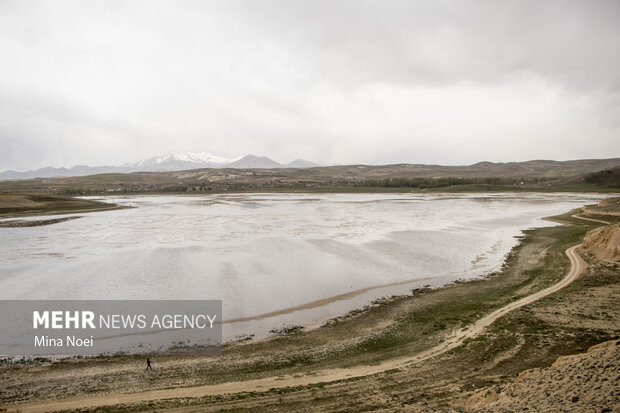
x: 542, y: 175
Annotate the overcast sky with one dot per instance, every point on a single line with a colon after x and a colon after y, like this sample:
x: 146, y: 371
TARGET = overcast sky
x: 448, y: 82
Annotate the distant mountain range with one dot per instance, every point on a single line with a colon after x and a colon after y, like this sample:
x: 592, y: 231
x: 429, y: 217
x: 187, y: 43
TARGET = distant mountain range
x: 175, y: 161
x: 182, y: 161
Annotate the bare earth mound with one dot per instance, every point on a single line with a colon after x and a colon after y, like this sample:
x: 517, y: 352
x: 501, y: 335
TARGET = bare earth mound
x: 604, y: 242
x: 588, y: 382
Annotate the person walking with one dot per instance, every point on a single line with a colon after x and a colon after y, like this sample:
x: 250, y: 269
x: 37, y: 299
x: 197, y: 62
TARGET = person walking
x: 148, y: 364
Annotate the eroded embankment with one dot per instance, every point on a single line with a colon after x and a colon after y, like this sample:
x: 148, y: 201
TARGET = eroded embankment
x: 581, y: 382
x: 603, y: 243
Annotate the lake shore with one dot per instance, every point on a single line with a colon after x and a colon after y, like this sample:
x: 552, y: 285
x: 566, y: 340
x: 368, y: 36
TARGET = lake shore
x: 14, y: 205
x: 569, y: 321
x: 19, y: 223
x: 315, y: 257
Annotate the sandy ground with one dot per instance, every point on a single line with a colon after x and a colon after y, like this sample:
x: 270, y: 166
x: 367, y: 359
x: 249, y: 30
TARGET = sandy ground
x: 586, y: 382
x: 330, y: 375
x: 604, y: 243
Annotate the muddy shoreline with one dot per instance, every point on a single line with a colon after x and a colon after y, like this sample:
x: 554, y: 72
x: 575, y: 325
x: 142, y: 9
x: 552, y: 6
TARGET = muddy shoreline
x: 18, y: 205
x: 20, y: 223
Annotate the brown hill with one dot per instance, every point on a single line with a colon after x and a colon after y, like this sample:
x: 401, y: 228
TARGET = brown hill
x: 609, y: 177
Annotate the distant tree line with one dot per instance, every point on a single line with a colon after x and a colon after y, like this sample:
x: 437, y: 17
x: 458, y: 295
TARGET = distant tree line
x: 391, y: 182
x: 608, y: 177
x: 423, y: 183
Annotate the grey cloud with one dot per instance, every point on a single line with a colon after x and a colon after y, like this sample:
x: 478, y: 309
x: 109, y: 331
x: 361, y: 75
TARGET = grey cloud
x: 107, y: 82
x: 573, y: 42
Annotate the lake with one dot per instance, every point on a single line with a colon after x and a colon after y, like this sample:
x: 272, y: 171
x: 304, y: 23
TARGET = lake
x: 274, y: 259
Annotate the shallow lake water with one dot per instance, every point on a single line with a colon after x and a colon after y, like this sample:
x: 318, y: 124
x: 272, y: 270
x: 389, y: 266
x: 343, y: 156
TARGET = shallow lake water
x: 273, y: 259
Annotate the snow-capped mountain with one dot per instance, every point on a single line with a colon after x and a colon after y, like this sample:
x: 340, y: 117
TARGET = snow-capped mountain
x: 174, y: 161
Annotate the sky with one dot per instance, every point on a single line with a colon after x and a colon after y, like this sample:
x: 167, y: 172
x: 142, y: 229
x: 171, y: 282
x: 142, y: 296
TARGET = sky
x: 332, y: 81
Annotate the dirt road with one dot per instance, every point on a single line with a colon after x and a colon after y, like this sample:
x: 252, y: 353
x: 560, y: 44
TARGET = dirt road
x: 580, y: 216
x: 328, y: 375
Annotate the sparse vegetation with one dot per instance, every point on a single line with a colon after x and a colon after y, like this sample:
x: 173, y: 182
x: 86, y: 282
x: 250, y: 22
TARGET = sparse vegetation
x: 286, y: 330
x: 606, y: 178
x: 24, y: 204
